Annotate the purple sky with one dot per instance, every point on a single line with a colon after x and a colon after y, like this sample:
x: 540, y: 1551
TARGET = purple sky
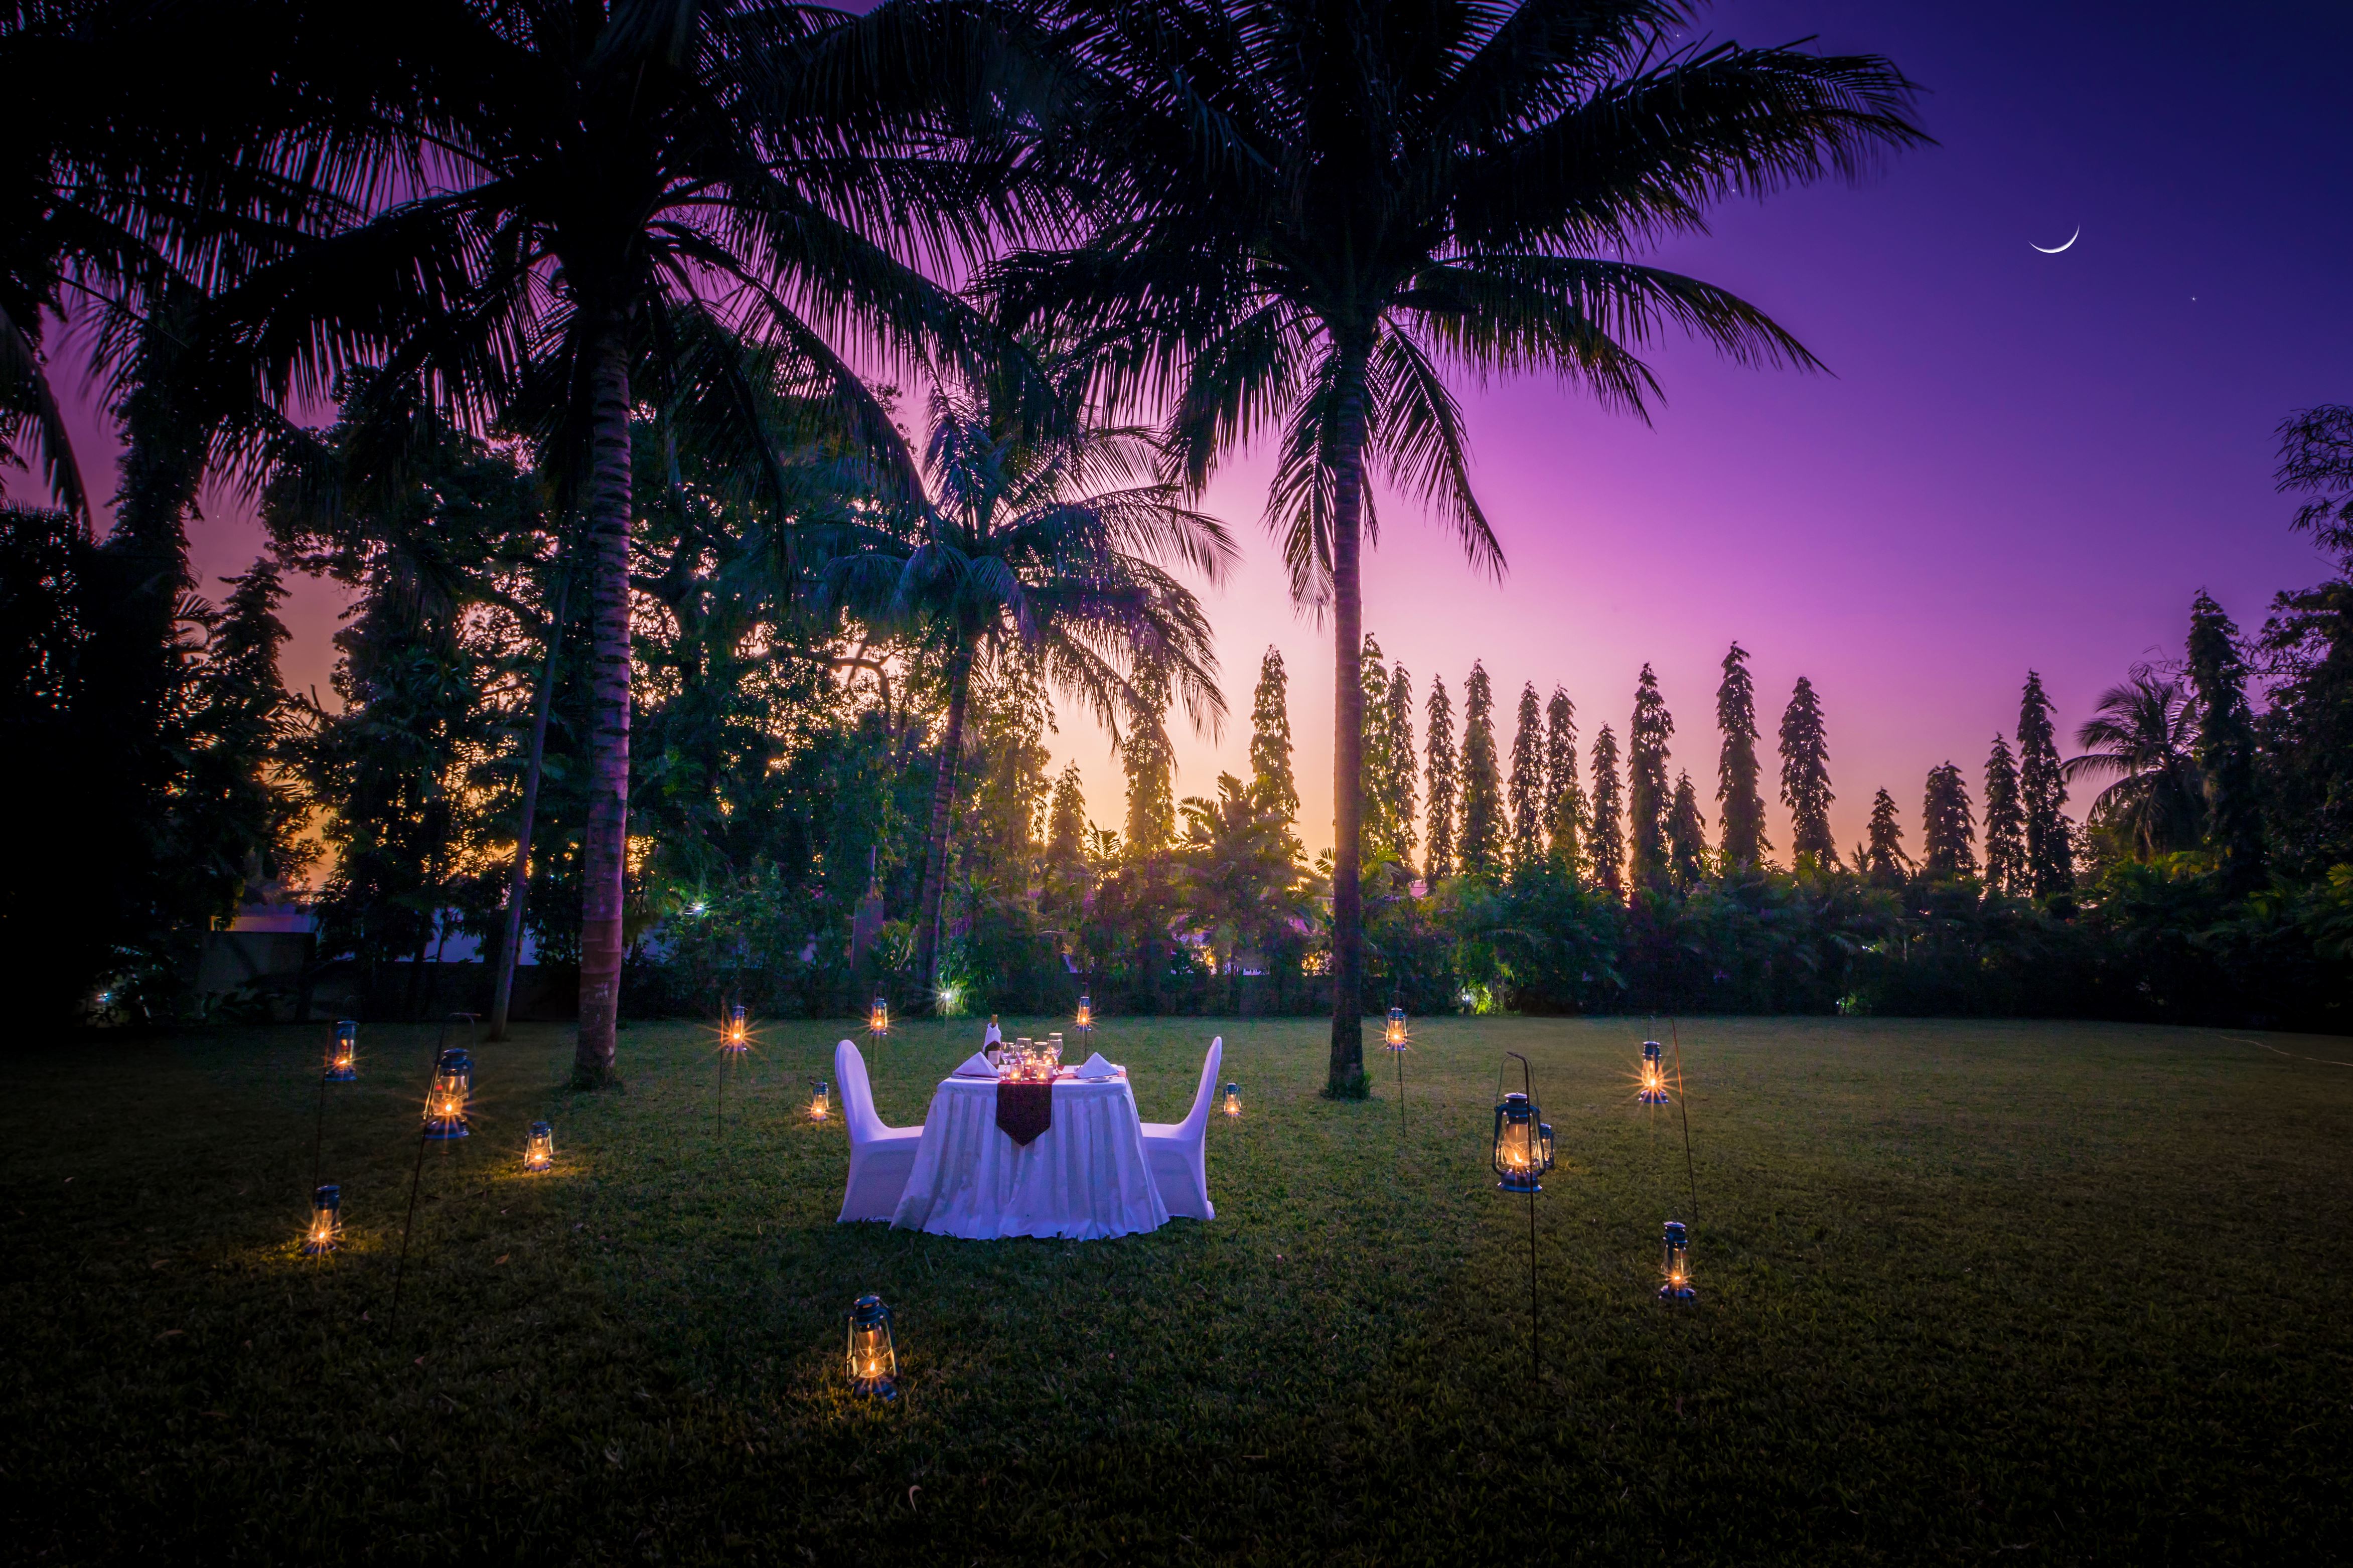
x: 2017, y: 460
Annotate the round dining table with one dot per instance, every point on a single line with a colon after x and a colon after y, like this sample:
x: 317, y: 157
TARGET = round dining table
x: 1084, y: 1178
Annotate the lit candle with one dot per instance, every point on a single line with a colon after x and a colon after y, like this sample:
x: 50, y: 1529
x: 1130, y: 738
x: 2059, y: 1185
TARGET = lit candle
x: 873, y: 1358
x: 539, y: 1148
x: 326, y: 1229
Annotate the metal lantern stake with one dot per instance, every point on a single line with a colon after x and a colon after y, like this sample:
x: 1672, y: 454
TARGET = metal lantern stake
x: 872, y: 1355
x: 539, y: 1149
x: 1394, y: 1040
x: 326, y: 1229
x: 1523, y: 1153
x: 1676, y: 1264
x: 1654, y: 1076
x: 342, y: 1057
x: 1233, y: 1103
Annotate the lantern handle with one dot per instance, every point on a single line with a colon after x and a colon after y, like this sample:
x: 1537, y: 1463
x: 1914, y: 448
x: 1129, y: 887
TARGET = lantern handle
x: 1527, y: 1078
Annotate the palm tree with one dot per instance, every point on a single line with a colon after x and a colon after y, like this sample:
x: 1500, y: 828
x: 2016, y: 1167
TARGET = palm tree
x: 2143, y: 734
x: 1314, y: 210
x: 1038, y: 550
x: 1241, y: 877
x: 602, y: 205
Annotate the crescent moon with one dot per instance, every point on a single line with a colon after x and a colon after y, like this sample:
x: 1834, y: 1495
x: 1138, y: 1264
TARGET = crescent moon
x: 2055, y: 249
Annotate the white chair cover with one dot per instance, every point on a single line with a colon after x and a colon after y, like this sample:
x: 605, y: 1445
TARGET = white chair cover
x: 1176, y: 1148
x: 880, y: 1156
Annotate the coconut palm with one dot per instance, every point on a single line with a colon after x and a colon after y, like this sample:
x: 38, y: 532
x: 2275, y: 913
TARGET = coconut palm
x: 2143, y: 735
x: 602, y: 204
x: 1038, y: 549
x: 1317, y: 211
x: 1242, y: 877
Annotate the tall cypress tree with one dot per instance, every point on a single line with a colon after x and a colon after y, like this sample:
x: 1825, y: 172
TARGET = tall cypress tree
x: 1607, y: 838
x: 1736, y: 769
x: 1439, y: 778
x: 2042, y: 792
x: 1686, y: 837
x: 1806, y: 776
x: 1401, y: 785
x: 1376, y: 833
x: 1066, y: 821
x: 1482, y: 849
x: 2225, y: 747
x: 1564, y: 796
x: 2005, y: 824
x: 1947, y: 825
x: 1151, y: 764
x: 1884, y: 860
x: 1528, y: 793
x: 1270, y: 750
x: 1647, y: 800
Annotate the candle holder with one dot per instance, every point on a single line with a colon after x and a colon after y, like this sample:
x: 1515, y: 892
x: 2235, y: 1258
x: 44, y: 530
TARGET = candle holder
x: 325, y: 1232
x: 343, y: 1057
x: 1654, y: 1076
x: 539, y: 1147
x: 872, y: 1355
x: 1676, y: 1264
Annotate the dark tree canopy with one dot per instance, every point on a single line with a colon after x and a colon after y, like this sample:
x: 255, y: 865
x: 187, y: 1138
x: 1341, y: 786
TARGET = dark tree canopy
x: 1484, y: 828
x: 1608, y: 840
x: 1737, y: 769
x: 1806, y: 776
x: 2005, y: 823
x: 1948, y: 826
x: 1883, y: 859
x: 2225, y: 747
x: 1528, y: 797
x: 2042, y: 795
x: 1647, y: 798
x: 1439, y: 775
x: 1563, y: 796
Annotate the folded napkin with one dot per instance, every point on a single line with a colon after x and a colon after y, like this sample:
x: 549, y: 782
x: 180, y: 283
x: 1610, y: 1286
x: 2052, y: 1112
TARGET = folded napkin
x: 990, y: 1037
x: 977, y: 1066
x: 1095, y: 1068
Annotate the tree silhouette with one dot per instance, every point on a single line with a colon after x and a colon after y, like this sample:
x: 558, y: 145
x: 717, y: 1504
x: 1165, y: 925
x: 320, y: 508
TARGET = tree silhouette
x: 1608, y: 838
x: 1528, y: 803
x: 2005, y: 823
x: 1439, y: 775
x: 1484, y: 828
x: 2043, y: 793
x: 1806, y: 776
x: 1883, y: 859
x: 2225, y: 747
x: 1686, y: 838
x: 1737, y: 770
x: 1563, y: 796
x: 1947, y: 826
x: 2140, y: 735
x: 1647, y: 801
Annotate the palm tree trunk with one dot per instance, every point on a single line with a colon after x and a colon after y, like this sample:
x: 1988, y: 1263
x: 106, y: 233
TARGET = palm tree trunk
x: 605, y: 844
x: 1347, y: 1068
x: 519, y: 882
x: 935, y: 846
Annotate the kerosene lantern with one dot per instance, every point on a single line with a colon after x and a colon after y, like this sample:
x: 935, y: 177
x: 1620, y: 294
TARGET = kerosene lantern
x: 326, y: 1228
x: 343, y: 1057
x: 1654, y: 1076
x: 873, y: 1358
x: 1674, y: 1266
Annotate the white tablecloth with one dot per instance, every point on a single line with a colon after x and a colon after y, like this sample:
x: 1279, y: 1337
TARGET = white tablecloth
x: 1084, y: 1178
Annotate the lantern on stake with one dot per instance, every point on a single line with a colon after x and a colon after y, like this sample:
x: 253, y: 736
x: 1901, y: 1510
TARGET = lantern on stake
x: 735, y: 1035
x: 539, y: 1147
x: 326, y: 1228
x: 873, y: 1358
x: 445, y: 1102
x: 1086, y: 1015
x: 820, y: 1101
x: 1654, y: 1076
x: 343, y: 1057
x: 877, y: 1017
x: 1523, y: 1153
x: 1233, y: 1100
x: 1676, y: 1264
x: 1395, y: 1039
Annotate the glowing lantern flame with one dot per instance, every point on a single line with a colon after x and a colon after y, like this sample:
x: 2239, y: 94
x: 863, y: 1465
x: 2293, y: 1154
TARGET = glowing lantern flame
x: 326, y: 1228
x: 736, y: 1034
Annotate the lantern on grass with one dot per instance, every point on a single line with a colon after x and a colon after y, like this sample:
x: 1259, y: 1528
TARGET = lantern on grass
x: 736, y: 1034
x: 1233, y: 1102
x: 873, y: 1358
x: 1522, y: 1145
x: 539, y: 1147
x: 820, y: 1101
x: 445, y: 1102
x: 342, y: 1057
x: 1654, y: 1076
x: 326, y: 1228
x: 1676, y: 1264
x: 877, y: 1017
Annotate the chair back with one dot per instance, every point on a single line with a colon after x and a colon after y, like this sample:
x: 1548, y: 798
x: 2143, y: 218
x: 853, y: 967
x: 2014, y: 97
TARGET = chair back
x: 1198, y: 1117
x: 857, y: 1094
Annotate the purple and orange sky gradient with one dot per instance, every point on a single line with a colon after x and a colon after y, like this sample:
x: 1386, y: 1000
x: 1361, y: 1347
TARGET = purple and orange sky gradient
x: 2017, y: 460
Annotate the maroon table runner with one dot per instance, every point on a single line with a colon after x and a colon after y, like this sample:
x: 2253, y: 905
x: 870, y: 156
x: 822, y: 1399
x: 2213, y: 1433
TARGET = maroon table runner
x: 1024, y: 1109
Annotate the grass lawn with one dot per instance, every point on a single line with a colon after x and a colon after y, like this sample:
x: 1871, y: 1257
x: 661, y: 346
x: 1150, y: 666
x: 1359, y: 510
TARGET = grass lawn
x: 2026, y: 1293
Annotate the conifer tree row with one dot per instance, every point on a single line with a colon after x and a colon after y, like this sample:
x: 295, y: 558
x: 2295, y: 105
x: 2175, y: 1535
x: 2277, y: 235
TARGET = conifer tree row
x: 1439, y: 778
x: 1481, y: 851
x: 1742, y: 808
x: 1806, y: 776
x: 1605, y: 835
x: 1528, y: 793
